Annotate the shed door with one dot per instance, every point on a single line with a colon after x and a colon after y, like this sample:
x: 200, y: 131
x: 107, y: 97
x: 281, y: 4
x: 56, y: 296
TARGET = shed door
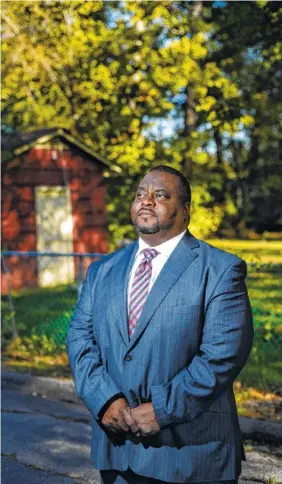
x: 54, y: 226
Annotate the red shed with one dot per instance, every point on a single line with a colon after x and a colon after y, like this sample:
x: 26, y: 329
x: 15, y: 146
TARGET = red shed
x: 53, y: 200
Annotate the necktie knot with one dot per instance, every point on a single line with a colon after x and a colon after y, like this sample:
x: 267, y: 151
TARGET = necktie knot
x: 149, y: 254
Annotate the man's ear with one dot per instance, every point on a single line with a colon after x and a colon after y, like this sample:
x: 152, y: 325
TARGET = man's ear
x: 186, y: 207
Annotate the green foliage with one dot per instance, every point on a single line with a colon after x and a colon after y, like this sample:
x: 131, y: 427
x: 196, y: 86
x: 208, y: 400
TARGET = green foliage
x: 113, y: 72
x: 35, y: 345
x: 253, y: 61
x: 205, y: 217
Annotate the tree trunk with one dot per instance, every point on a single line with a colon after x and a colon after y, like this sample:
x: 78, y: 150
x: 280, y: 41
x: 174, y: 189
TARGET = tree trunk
x: 190, y: 116
x: 218, y: 142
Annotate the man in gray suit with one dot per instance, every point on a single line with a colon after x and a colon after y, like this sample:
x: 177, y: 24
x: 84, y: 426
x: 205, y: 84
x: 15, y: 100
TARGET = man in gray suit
x: 160, y: 332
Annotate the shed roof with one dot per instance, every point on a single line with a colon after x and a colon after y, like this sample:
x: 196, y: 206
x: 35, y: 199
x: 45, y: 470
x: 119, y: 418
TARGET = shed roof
x: 16, y: 143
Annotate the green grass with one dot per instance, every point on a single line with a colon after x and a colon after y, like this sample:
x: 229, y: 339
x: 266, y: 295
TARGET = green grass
x: 253, y: 251
x: 40, y: 312
x: 43, y: 316
x: 263, y: 369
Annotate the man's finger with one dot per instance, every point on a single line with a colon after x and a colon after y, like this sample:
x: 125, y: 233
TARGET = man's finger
x: 117, y: 425
x: 135, y: 429
x: 128, y: 417
x: 147, y: 430
x: 147, y: 433
x: 123, y: 425
x: 112, y: 425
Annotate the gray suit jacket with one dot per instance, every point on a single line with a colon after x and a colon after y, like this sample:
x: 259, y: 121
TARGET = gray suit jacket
x: 193, y: 338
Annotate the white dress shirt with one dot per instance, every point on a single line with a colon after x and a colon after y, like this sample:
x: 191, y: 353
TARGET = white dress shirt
x: 164, y: 249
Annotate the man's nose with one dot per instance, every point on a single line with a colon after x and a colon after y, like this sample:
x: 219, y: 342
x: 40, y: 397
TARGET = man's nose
x: 149, y: 200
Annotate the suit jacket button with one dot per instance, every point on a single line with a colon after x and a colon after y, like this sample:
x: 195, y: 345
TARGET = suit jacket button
x: 128, y: 358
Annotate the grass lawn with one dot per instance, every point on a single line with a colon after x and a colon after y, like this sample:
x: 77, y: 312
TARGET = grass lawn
x: 42, y: 320
x: 258, y: 387
x: 253, y: 251
x: 264, y: 283
x: 43, y: 315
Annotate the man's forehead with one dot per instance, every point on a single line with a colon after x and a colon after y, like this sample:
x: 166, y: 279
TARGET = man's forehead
x: 159, y: 180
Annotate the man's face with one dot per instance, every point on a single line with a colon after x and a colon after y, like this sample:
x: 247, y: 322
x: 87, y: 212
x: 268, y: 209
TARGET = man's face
x: 157, y: 207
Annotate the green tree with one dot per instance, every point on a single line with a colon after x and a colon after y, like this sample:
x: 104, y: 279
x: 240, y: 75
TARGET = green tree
x: 112, y: 72
x: 250, y: 160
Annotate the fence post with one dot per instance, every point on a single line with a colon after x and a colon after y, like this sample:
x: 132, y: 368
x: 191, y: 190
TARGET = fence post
x: 80, y: 275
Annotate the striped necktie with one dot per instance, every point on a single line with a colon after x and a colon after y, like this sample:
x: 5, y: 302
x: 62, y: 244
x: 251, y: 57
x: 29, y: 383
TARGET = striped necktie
x: 140, y: 288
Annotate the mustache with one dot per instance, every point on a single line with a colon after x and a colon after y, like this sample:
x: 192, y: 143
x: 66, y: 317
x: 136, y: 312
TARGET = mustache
x: 145, y: 210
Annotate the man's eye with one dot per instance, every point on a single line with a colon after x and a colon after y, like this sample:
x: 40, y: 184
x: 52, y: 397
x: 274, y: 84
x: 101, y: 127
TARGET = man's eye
x: 161, y: 196
x: 140, y: 195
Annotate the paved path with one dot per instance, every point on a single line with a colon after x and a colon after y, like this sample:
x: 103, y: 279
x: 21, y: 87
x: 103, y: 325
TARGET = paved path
x: 48, y: 441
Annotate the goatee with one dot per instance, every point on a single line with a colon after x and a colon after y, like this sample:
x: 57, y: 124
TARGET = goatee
x: 143, y: 229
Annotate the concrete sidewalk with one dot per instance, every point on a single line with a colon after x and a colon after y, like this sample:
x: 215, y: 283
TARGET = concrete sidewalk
x: 264, y: 431
x: 47, y: 440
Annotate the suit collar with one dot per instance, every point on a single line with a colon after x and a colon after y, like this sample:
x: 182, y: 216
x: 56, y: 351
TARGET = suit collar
x: 182, y: 256
x: 190, y: 240
x: 118, y: 289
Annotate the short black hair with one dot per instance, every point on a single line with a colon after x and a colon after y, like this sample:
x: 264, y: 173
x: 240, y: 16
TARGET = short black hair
x: 184, y: 185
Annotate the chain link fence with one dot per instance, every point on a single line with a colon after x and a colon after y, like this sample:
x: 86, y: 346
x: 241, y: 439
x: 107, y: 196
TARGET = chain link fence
x: 39, y: 295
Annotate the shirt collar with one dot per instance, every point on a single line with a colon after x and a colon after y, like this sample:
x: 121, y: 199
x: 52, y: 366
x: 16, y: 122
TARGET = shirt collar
x: 166, y: 248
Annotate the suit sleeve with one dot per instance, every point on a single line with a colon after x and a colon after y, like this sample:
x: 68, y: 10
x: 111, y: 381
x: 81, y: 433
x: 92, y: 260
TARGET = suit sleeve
x: 225, y: 345
x: 93, y: 384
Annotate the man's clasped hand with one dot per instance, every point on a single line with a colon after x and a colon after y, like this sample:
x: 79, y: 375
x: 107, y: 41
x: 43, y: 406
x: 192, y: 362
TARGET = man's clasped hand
x: 119, y: 417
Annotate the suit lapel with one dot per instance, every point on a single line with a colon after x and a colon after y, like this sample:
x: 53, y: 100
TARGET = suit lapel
x: 177, y: 263
x: 119, y: 285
